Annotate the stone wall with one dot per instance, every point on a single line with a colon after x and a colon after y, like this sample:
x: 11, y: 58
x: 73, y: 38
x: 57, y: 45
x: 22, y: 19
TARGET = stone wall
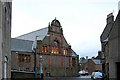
x: 5, y: 37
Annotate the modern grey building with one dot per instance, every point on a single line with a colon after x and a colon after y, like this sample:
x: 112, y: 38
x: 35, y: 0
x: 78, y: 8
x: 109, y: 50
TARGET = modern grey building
x: 5, y: 37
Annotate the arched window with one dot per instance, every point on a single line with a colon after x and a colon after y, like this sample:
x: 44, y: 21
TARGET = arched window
x: 55, y: 47
x: 44, y: 49
x: 65, y: 52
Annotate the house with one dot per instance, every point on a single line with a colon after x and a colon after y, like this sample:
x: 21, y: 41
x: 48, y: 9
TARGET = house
x: 59, y: 59
x: 91, y: 65
x: 82, y: 63
x: 110, y: 38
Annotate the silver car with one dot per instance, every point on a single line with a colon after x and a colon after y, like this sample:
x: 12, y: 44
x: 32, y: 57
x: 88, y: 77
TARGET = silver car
x: 96, y: 76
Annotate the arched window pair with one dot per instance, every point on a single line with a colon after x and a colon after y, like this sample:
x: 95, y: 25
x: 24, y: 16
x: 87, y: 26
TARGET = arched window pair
x: 44, y: 49
x: 55, y: 47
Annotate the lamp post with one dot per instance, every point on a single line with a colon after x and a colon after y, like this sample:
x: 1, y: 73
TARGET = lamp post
x: 41, y: 71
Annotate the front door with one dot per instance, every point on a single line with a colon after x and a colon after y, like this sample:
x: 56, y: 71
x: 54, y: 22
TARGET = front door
x: 118, y: 70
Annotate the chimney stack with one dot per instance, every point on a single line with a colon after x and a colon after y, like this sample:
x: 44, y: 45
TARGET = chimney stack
x: 118, y: 6
x: 110, y: 18
x: 86, y: 57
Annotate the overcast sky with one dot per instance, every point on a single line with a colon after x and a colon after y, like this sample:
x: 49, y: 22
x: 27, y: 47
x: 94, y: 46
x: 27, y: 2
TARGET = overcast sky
x: 82, y: 21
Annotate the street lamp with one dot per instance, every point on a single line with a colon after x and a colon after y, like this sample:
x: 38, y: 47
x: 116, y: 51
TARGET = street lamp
x: 41, y: 71
x: 34, y: 51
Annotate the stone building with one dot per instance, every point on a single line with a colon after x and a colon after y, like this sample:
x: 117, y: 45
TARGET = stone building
x: 110, y: 42
x: 58, y: 57
x: 5, y: 36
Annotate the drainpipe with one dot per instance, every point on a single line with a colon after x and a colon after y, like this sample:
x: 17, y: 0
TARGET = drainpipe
x: 34, y: 45
x: 5, y: 67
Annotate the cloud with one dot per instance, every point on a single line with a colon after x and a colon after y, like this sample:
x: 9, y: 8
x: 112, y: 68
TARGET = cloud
x: 82, y: 20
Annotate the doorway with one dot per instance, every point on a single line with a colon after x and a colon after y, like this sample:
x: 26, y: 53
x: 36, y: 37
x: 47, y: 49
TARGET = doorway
x: 118, y: 70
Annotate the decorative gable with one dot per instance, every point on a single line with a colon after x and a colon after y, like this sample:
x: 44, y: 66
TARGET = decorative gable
x: 55, y: 27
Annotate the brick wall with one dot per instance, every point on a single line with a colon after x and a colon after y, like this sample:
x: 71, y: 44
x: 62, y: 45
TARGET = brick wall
x: 22, y: 66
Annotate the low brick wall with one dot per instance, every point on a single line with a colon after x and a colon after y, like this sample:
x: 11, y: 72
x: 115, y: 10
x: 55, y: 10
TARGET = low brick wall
x: 22, y: 74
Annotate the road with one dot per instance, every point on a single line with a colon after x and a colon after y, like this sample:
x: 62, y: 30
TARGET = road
x: 68, y: 78
x: 89, y: 76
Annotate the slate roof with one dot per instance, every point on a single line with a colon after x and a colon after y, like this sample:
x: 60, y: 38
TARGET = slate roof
x: 21, y: 45
x: 96, y: 61
x: 84, y: 61
x: 74, y: 54
x: 41, y: 33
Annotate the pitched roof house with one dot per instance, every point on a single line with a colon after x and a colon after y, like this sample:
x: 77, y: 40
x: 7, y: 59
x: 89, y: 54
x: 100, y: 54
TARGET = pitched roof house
x: 110, y: 41
x: 91, y: 65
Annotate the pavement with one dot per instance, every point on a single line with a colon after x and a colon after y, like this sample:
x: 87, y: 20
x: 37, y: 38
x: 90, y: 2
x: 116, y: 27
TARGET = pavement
x: 68, y: 78
x: 89, y: 76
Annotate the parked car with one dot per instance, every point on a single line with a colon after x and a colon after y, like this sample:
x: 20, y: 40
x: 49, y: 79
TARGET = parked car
x: 97, y: 75
x: 86, y: 73
x: 83, y: 73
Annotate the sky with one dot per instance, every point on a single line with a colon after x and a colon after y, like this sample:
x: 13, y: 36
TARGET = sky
x: 83, y: 21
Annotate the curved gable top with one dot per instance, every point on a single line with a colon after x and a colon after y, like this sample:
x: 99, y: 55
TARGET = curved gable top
x: 55, y: 22
x: 41, y: 33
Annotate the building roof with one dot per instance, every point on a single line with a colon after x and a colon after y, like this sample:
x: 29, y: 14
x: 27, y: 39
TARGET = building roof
x: 74, y: 54
x: 21, y: 45
x: 96, y: 61
x: 41, y: 33
x: 83, y: 61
